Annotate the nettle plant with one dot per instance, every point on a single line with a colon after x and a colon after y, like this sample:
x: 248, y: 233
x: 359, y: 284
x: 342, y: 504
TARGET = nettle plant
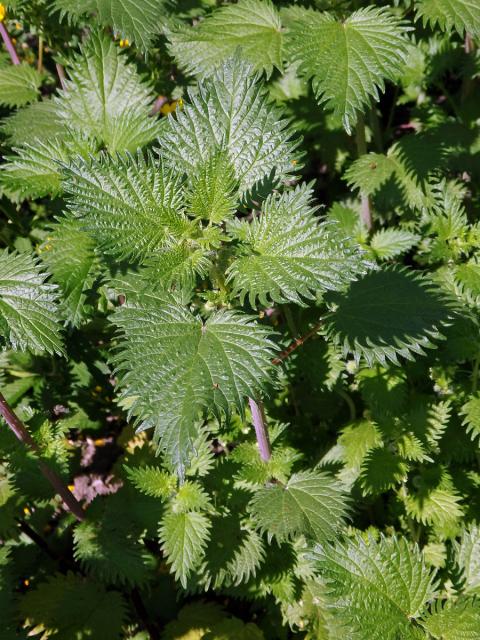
x: 296, y: 415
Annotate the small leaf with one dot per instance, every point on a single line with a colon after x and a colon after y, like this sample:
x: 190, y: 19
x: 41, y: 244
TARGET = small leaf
x: 152, y: 481
x: 184, y: 537
x: 311, y: 503
x: 389, y: 243
x: 19, y: 84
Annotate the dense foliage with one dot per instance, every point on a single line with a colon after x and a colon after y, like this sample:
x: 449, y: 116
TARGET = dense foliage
x: 240, y: 320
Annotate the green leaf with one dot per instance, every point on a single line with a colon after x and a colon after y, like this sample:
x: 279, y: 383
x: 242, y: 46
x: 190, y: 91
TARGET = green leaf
x: 152, y: 481
x: 36, y: 169
x: 136, y: 20
x: 374, y: 318
x: 373, y: 170
x: 213, y: 194
x: 19, y: 84
x: 377, y: 588
x: 389, y: 243
x: 231, y: 115
x: 459, y: 620
x: 349, y: 60
x: 184, y: 537
x: 105, y: 98
x: 38, y: 121
x: 251, y: 25
x: 436, y: 502
x: 467, y: 558
x: 111, y: 551
x: 69, y: 607
x: 173, y: 367
x: 311, y: 503
x: 461, y: 15
x: 132, y: 206
x: 286, y: 255
x: 470, y: 412
x: 381, y: 470
x: 353, y: 444
x: 28, y: 309
x: 69, y: 254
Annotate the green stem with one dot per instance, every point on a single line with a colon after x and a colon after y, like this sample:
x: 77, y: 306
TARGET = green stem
x: 351, y: 405
x: 376, y: 130
x: 365, y: 206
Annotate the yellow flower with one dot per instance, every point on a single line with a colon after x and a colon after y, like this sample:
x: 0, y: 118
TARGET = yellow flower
x: 170, y: 107
x: 3, y: 12
x: 124, y: 43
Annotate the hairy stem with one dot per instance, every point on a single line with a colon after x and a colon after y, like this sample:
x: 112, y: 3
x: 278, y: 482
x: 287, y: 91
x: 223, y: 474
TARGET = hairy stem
x: 40, y: 55
x: 61, y: 75
x: 9, y: 44
x: 365, y: 209
x: 261, y: 429
x: 20, y: 431
x: 295, y: 344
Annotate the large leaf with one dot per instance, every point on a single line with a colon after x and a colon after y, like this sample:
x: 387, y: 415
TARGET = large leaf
x: 387, y: 314
x: 173, y: 366
x: 19, y: 84
x: 286, y: 254
x: 311, y: 503
x: 28, y: 309
x: 132, y: 206
x: 111, y: 551
x: 378, y: 588
x: 106, y: 99
x: 461, y: 15
x: 230, y: 114
x: 67, y: 606
x: 347, y: 60
x: 252, y: 25
x: 137, y: 20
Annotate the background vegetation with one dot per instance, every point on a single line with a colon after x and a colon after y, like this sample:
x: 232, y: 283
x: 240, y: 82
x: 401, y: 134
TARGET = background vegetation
x: 239, y: 306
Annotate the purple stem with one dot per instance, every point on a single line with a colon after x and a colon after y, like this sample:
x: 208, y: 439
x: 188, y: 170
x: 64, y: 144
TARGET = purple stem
x: 261, y: 429
x: 61, y: 75
x: 18, y: 428
x: 9, y: 44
